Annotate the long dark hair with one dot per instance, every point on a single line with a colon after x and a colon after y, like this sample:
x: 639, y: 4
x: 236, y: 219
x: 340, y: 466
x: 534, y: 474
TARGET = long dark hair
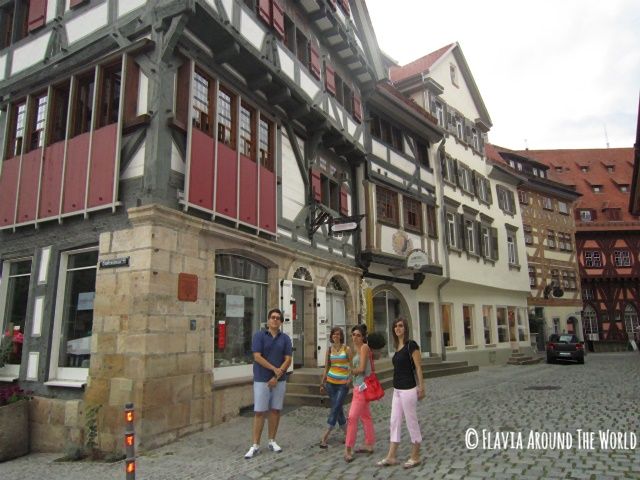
x: 362, y: 328
x: 405, y: 339
x: 340, y: 331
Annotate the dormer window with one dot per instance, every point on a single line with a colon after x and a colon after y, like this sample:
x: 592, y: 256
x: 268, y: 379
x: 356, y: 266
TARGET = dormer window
x: 624, y: 188
x: 584, y: 169
x: 585, y: 215
x: 454, y: 74
x: 611, y: 168
x: 559, y: 169
x: 597, y: 188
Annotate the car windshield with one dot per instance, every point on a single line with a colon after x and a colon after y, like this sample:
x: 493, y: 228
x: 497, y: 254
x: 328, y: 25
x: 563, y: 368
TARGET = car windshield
x: 566, y: 339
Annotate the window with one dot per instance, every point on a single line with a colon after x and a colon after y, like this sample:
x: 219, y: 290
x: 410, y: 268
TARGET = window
x: 512, y: 248
x: 486, y: 321
x: 240, y: 310
x: 266, y: 140
x: 470, y: 236
x: 464, y: 178
x: 83, y: 104
x: 226, y: 118
x: 202, y: 106
x: 423, y: 154
x: 547, y: 204
x: 483, y: 189
x: 449, y: 169
x: 247, y: 131
x: 467, y: 318
x: 14, y: 288
x: 73, y: 324
x: 302, y: 48
x: 528, y: 236
x: 503, y: 328
x: 109, y: 97
x: 587, y: 294
x: 6, y: 25
x: 590, y: 323
x: 386, y: 308
x: 59, y: 112
x: 16, y: 129
x: 563, y: 207
x: 452, y: 230
x: 412, y: 214
x: 387, y: 133
x: 475, y: 139
x: 622, y: 258
x: 37, y: 119
x: 585, y: 215
x: 521, y: 314
x: 624, y: 188
x: 573, y: 285
x: 533, y: 280
x: 453, y: 71
x: 506, y: 200
x: 486, y: 241
x: 584, y: 169
x: 551, y: 239
x: 330, y: 192
x: 447, y: 325
x: 387, y: 203
x: 289, y: 34
x: 596, y: 188
x: 564, y: 241
x: 439, y: 113
x: 523, y: 197
x: 592, y: 259
x: 555, y: 275
x: 432, y: 221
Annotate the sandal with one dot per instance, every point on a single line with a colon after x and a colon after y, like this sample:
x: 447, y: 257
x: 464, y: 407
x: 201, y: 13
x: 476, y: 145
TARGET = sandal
x: 385, y: 462
x: 323, y: 445
x: 348, y: 458
x: 411, y: 463
x: 364, y: 450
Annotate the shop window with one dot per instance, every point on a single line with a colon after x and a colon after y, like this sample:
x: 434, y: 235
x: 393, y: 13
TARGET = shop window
x: 73, y: 324
x: 14, y: 288
x: 226, y: 118
x: 521, y: 314
x: 487, y: 318
x: 240, y: 308
x: 387, y: 205
x: 503, y: 328
x: 412, y: 214
x: 37, y: 121
x: 467, y: 318
x: 447, y: 325
x: 266, y: 144
x: 386, y: 308
x: 83, y: 104
x: 202, y: 112
x: 16, y: 129
x: 247, y: 131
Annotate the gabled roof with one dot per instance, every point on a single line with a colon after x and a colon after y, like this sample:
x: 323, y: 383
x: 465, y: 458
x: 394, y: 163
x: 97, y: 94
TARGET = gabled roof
x: 597, y: 160
x: 418, y: 70
x: 370, y: 42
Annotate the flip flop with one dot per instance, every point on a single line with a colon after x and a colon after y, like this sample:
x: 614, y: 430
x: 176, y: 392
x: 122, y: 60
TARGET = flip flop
x: 323, y: 445
x: 364, y: 450
x: 385, y: 462
x: 411, y: 463
x: 348, y: 458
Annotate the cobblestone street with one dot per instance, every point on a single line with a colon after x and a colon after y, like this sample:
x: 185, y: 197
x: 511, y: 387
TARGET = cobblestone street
x: 603, y: 394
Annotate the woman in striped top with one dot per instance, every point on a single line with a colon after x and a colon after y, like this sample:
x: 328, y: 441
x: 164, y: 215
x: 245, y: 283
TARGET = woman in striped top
x: 335, y: 381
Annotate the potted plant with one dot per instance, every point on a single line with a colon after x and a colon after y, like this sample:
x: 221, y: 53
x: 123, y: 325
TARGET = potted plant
x: 376, y: 342
x: 14, y: 422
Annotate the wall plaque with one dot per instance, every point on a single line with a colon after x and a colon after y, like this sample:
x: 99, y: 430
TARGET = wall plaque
x: 187, y: 287
x: 115, y: 262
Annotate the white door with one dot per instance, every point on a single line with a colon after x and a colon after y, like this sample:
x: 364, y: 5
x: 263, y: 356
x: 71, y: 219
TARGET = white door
x: 338, y: 316
x: 322, y: 325
x: 286, y: 302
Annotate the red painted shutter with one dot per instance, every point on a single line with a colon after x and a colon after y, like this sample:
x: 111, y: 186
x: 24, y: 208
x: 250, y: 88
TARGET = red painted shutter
x: 316, y: 185
x: 357, y: 107
x: 277, y: 16
x: 594, y: 215
x: 332, y: 4
x: 264, y: 11
x: 37, y: 14
x: 330, y: 78
x: 315, y: 60
x: 345, y: 6
x: 576, y: 213
x: 344, y: 201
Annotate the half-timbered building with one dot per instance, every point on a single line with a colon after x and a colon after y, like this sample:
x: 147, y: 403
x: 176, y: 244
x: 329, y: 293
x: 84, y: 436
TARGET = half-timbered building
x: 549, y: 231
x: 170, y: 170
x: 607, y: 237
x: 480, y: 304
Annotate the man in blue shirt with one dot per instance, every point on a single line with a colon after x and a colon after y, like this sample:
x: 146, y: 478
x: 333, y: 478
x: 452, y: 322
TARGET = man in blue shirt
x: 272, y: 351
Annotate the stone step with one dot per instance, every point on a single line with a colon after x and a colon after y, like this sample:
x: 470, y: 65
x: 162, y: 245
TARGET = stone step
x: 526, y: 360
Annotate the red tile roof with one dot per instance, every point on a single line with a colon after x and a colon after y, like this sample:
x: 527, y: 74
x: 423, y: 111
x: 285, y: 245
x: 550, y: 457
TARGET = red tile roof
x: 409, y: 102
x: 596, y: 160
x: 420, y: 65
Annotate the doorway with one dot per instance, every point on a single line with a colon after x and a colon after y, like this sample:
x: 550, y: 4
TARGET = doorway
x: 297, y: 318
x: 425, y: 326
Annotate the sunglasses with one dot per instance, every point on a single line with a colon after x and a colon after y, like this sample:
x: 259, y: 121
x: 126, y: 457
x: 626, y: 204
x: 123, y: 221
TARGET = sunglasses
x: 356, y: 334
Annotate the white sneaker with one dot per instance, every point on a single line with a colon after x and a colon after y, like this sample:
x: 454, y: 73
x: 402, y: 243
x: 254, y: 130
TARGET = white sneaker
x: 253, y: 451
x: 274, y: 447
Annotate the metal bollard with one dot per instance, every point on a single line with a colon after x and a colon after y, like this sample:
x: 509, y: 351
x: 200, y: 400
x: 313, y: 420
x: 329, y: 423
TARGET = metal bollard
x: 129, y: 443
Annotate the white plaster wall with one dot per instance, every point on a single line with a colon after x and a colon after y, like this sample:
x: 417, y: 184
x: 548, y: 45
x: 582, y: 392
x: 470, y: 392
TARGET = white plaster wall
x: 560, y: 256
x: 51, y: 10
x: 293, y: 195
x: 378, y: 149
x: 135, y: 168
x: 286, y: 63
x: 87, y: 23
x: 402, y: 163
x: 30, y: 53
x: 251, y: 30
x: 228, y: 7
x: 458, y: 97
x: 143, y: 94
x: 309, y: 85
x: 3, y: 64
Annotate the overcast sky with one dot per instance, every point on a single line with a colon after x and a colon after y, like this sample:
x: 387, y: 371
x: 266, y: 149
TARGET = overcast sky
x: 552, y: 73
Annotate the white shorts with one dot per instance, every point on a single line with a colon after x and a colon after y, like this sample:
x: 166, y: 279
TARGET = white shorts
x: 265, y: 398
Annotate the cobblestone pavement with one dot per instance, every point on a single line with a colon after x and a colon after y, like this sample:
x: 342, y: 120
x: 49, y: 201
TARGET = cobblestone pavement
x: 549, y: 400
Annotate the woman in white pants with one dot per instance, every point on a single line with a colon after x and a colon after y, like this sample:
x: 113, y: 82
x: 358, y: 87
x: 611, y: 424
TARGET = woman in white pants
x: 408, y: 388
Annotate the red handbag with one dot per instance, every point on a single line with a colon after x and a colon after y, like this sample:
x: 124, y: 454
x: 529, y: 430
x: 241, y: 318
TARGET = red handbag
x: 374, y: 390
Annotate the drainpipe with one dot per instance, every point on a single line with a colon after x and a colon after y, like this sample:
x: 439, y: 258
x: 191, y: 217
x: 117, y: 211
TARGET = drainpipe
x: 443, y: 220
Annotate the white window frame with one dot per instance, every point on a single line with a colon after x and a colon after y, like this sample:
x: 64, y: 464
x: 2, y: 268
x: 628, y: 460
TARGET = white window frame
x: 590, y: 257
x: 505, y: 326
x: 585, y: 215
x: 563, y: 207
x: 486, y: 241
x: 622, y: 258
x: 471, y: 309
x: 512, y: 248
x: 452, y: 227
x: 470, y: 236
x: 547, y: 204
x: 488, y: 318
x: 440, y: 114
x: 65, y: 376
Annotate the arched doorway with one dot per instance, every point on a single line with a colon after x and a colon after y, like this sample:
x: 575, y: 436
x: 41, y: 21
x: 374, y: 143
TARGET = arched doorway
x: 388, y: 304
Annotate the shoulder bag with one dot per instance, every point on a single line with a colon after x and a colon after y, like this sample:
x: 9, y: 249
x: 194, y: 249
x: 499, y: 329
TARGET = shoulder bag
x: 374, y: 390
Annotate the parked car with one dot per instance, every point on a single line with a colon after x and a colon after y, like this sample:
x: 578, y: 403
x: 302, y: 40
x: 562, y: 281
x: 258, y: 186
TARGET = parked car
x: 564, y: 347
